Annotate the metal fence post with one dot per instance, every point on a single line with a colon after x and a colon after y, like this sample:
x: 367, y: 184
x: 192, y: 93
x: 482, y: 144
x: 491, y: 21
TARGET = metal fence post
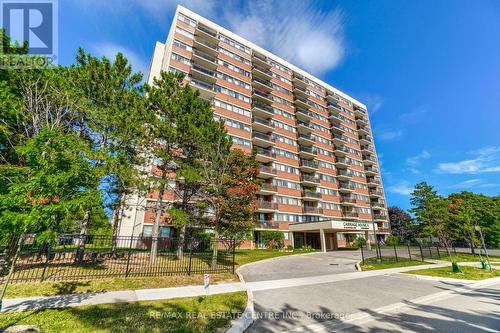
x: 454, y: 249
x: 379, y: 254
x: 437, y: 248
x: 129, y: 255
x: 430, y: 251
x: 421, y: 251
x: 234, y: 252
x: 362, y: 255
x: 395, y: 252
x: 409, y: 252
x: 46, y: 262
x: 190, y: 242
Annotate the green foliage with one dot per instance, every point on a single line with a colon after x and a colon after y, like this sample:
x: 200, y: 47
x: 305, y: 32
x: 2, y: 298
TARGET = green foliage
x: 359, y: 242
x: 273, y: 238
x: 178, y: 217
x: 402, y: 225
x: 393, y: 240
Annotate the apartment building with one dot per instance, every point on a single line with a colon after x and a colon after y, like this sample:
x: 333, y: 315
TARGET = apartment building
x: 322, y: 185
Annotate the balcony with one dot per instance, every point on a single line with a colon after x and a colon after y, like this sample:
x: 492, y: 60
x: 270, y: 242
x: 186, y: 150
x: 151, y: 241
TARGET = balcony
x: 302, y: 102
x: 380, y: 217
x: 371, y: 170
x: 260, y: 60
x: 206, y: 33
x: 261, y: 84
x: 266, y: 206
x: 365, y: 139
x: 373, y: 182
x: 363, y: 130
x: 300, y: 91
x: 334, y: 108
x: 343, y: 162
x: 359, y: 112
x: 203, y: 73
x: 309, y: 180
x: 350, y: 214
x: 313, y: 210
x: 266, y: 224
x: 303, y: 114
x: 266, y: 188
x: 343, y: 187
x: 362, y: 121
x: 261, y: 72
x: 304, y: 127
x: 262, y: 125
x: 206, y: 90
x: 344, y: 175
x: 262, y: 110
x: 339, y: 139
x: 265, y: 155
x: 262, y: 96
x: 337, y: 128
x: 341, y: 151
x: 307, y: 153
x: 384, y: 230
x: 368, y: 159
x: 376, y: 193
x: 347, y: 200
x: 299, y: 80
x: 262, y: 140
x: 306, y: 139
x: 367, y: 149
x: 311, y: 195
x: 378, y: 205
x: 308, y: 165
x: 335, y: 118
x: 204, y: 59
x: 266, y: 172
x: 205, y: 46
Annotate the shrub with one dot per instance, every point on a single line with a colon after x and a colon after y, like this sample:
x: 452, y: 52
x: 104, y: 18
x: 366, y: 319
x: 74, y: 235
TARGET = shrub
x: 359, y: 242
x: 273, y: 239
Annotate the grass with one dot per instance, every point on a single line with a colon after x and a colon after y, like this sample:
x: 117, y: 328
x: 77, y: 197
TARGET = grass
x: 196, y: 314
x: 468, y: 273
x: 49, y: 288
x: 466, y: 257
x: 371, y: 264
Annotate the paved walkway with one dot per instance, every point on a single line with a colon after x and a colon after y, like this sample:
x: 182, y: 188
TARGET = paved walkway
x: 31, y: 303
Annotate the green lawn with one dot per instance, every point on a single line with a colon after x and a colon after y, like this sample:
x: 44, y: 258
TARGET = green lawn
x: 197, y: 314
x: 49, y: 288
x: 469, y: 273
x: 248, y: 256
x: 371, y: 264
x: 466, y: 257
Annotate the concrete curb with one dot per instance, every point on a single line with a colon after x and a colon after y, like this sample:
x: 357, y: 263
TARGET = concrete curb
x: 358, y: 266
x: 248, y: 316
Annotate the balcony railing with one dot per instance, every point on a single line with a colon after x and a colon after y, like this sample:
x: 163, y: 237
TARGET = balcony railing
x: 310, y: 178
x: 261, y: 204
x: 306, y: 137
x: 267, y: 169
x: 263, y: 106
x: 261, y: 121
x: 259, y: 56
x: 207, y: 44
x: 364, y: 128
x: 307, y: 150
x: 263, y: 70
x: 344, y: 173
x: 201, y: 84
x: 377, y: 205
x: 373, y: 181
x: 342, y: 149
x: 313, y: 210
x: 268, y: 187
x: 262, y: 136
x: 266, y: 152
x: 267, y: 224
x: 369, y: 158
x: 304, y: 112
x: 303, y: 123
x: 205, y: 56
x: 207, y: 31
x: 371, y: 169
x: 365, y: 137
x: 204, y: 70
x: 346, y: 186
x: 350, y: 214
x: 311, y: 194
x: 375, y: 192
x: 263, y: 94
x: 347, y: 199
x: 343, y: 160
x: 262, y: 81
x: 310, y: 164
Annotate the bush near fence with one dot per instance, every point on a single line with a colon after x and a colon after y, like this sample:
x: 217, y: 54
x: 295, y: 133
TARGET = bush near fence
x: 72, y: 257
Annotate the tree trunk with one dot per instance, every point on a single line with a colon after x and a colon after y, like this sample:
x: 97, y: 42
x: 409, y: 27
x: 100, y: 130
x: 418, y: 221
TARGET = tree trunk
x: 82, y: 236
x: 156, y: 225
x: 180, y: 245
x: 117, y: 220
x: 215, y: 249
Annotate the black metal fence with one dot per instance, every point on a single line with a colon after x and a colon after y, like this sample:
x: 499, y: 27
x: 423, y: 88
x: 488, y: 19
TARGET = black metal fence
x: 72, y: 257
x: 420, y: 251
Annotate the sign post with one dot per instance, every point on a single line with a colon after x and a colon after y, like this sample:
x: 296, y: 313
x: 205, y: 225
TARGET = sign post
x: 206, y: 283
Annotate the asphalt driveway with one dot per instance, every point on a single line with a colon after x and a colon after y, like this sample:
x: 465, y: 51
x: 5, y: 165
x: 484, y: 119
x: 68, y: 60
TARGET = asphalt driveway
x: 298, y: 266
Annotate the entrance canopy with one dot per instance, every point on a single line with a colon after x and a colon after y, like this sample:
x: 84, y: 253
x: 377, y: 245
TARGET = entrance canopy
x: 336, y: 225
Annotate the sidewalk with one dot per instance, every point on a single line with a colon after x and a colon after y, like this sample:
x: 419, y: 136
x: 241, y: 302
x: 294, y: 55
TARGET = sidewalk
x: 71, y: 300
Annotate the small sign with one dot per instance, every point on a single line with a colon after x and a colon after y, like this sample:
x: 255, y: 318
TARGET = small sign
x: 357, y: 225
x: 206, y: 280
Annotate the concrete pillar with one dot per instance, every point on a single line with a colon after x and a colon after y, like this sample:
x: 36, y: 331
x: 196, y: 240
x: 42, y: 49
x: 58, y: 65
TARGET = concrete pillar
x: 290, y: 239
x: 322, y: 239
x: 368, y: 245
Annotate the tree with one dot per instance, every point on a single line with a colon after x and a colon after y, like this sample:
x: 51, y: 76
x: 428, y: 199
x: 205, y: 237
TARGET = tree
x: 402, y: 224
x: 421, y: 197
x: 436, y: 221
x: 229, y: 191
x: 273, y: 239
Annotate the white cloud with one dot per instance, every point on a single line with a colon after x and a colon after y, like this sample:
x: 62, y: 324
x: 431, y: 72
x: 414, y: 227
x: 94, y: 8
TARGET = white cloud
x: 413, y: 116
x: 373, y: 102
x: 403, y: 187
x: 109, y: 50
x: 414, y: 162
x: 388, y: 135
x: 467, y: 183
x: 295, y: 30
x: 486, y: 160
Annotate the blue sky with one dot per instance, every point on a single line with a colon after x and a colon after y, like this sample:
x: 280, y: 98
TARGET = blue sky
x: 429, y: 71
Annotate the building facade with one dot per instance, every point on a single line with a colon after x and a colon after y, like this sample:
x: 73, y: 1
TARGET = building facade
x: 322, y: 184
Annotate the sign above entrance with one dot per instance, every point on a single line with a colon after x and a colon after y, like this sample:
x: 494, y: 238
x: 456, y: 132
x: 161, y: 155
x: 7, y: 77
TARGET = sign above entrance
x: 357, y: 225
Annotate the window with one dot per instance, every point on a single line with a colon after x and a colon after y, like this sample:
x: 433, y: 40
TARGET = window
x: 182, y: 45
x: 234, y: 123
x: 232, y: 108
x: 184, y: 32
x: 284, y: 126
x: 180, y: 58
x: 285, y: 153
x: 234, y: 43
x: 232, y: 93
x: 287, y: 200
x: 241, y: 142
x: 286, y: 168
x: 187, y: 20
x: 286, y: 184
x: 234, y: 56
x: 233, y: 80
x: 147, y: 230
x: 233, y: 67
x: 284, y: 139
